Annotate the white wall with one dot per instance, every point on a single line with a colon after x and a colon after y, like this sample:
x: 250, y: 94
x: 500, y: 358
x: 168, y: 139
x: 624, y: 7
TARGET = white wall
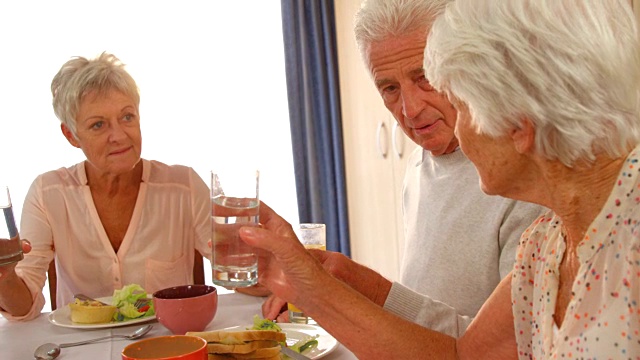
x: 211, y: 76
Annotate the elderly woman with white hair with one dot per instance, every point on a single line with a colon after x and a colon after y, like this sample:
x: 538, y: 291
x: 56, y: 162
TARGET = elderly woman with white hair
x: 111, y: 220
x: 548, y: 96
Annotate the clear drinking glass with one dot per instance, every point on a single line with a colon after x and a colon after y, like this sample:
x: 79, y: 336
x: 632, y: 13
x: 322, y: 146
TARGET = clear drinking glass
x: 234, y: 203
x: 10, y: 246
x: 312, y: 236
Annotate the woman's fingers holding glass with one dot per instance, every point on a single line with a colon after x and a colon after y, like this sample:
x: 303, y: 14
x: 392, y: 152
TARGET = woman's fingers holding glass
x: 26, y: 246
x: 270, y: 220
x: 285, y: 267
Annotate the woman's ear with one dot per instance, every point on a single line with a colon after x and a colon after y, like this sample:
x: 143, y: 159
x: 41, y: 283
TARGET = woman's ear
x: 69, y: 135
x: 523, y: 136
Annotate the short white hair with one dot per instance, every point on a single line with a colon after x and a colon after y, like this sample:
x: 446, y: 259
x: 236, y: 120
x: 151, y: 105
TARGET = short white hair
x: 378, y: 20
x: 79, y: 76
x: 569, y: 66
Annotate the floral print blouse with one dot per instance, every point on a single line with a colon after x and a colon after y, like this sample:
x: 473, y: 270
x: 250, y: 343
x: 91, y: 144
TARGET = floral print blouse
x: 603, y: 316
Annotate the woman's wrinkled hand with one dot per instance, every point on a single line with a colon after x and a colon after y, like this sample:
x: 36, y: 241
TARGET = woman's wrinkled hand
x: 284, y: 266
x: 274, y: 308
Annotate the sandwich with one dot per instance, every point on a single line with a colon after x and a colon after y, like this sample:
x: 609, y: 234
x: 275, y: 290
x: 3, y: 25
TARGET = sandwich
x: 247, y: 344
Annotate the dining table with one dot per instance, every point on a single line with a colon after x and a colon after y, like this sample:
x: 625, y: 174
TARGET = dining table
x: 18, y: 340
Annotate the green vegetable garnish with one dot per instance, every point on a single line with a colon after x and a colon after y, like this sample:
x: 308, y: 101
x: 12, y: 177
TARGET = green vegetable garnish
x: 305, y: 344
x: 310, y: 345
x: 264, y: 324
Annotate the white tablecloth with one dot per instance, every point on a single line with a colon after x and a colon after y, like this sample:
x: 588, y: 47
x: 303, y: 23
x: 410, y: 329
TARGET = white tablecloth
x: 18, y: 340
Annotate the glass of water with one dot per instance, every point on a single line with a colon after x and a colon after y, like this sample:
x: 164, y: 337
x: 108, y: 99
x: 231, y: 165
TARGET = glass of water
x: 10, y: 246
x: 234, y: 204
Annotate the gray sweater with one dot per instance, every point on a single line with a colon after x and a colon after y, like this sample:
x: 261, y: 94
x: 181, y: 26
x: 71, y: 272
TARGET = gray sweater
x: 459, y: 242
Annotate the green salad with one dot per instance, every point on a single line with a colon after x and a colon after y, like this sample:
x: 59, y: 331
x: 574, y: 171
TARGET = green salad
x: 126, y: 300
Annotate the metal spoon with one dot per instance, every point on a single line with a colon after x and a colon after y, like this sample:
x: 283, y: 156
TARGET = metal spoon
x: 51, y: 351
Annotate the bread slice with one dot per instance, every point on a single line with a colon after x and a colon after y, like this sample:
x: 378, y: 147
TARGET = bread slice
x: 244, y: 348
x: 231, y: 357
x: 262, y: 353
x: 239, y: 337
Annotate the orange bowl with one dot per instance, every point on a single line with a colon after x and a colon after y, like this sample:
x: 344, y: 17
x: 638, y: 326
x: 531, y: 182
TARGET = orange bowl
x: 171, y: 347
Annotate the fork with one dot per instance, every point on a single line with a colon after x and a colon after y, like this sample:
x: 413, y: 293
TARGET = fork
x: 141, y: 302
x: 138, y: 304
x: 86, y: 298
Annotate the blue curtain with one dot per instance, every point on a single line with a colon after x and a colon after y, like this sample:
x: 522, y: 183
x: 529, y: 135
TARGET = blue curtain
x: 314, y: 110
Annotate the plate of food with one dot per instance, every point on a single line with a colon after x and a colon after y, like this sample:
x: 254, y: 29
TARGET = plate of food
x: 309, y: 340
x: 129, y: 305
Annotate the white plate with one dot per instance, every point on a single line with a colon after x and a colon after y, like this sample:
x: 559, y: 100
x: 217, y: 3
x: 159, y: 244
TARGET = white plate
x: 295, y: 332
x: 62, y: 317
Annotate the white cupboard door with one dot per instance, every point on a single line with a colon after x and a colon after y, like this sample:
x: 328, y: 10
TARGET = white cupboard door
x: 371, y: 192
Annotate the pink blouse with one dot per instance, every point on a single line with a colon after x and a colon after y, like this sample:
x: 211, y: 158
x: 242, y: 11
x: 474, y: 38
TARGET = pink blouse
x: 603, y: 316
x: 171, y: 218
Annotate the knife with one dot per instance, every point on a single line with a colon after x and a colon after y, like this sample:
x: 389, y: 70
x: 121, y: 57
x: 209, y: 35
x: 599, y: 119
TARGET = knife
x: 292, y: 354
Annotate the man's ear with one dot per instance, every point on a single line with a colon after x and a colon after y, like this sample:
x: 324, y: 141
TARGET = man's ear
x: 69, y: 135
x: 523, y: 136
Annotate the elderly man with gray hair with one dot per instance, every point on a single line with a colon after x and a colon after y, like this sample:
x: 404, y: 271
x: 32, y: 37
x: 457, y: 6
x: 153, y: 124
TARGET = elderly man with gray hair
x: 460, y: 242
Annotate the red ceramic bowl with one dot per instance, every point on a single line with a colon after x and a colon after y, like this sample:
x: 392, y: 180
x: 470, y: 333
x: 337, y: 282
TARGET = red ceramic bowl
x: 186, y: 308
x: 173, y: 347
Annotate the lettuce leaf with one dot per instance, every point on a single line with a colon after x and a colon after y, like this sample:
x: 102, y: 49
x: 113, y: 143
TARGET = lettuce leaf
x: 264, y: 324
x: 125, y: 299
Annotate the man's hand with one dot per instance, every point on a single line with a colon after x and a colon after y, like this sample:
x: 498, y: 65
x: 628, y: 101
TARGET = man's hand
x: 256, y: 290
x: 275, y: 308
x: 361, y: 278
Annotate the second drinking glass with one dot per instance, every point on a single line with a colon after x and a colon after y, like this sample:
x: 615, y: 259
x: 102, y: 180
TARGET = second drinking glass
x: 234, y: 204
x: 312, y: 236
